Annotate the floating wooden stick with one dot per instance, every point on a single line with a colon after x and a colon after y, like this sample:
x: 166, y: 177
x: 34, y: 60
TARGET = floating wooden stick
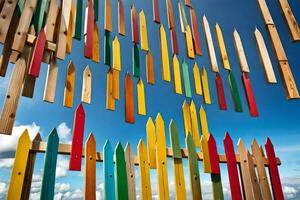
x: 177, y: 75
x: 193, y: 168
x: 205, y: 85
x: 264, y: 57
x: 69, y: 86
x: 290, y: 20
x: 234, y: 180
x: 121, y: 19
x: 116, y: 84
x: 170, y: 14
x: 141, y: 97
x: 96, y: 50
x: 194, y: 124
x: 52, y: 22
x: 182, y: 17
x: 221, y: 93
x: 240, y: 52
x: 90, y: 168
x: 174, y: 41
x: 186, y: 80
x: 222, y: 47
x: 134, y: 25
x: 177, y: 162
x: 120, y: 173
x: 186, y: 118
x: 195, y: 31
x: 149, y: 68
x: 116, y: 51
x: 164, y: 55
x: 110, y: 101
x: 235, y: 93
x: 144, y: 172
x: 129, y: 100
x: 10, y: 105
x: 151, y: 143
x: 129, y: 159
x: 143, y: 31
x: 86, y: 85
x: 161, y: 159
x: 210, y: 46
x: 78, y: 22
x: 136, y: 61
x: 250, y: 95
x: 18, y: 171
x: 71, y: 27
x: 107, y: 14
x: 107, y: 48
x: 189, y: 43
x: 108, y: 171
x: 77, y: 139
x: 197, y: 80
x: 156, y: 17
x: 48, y: 179
x: 89, y: 35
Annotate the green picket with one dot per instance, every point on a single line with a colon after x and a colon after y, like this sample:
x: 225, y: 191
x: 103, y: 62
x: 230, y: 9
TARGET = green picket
x: 20, y: 7
x: 107, y: 48
x: 217, y: 186
x: 235, y: 93
x: 48, y: 180
x: 175, y: 144
x: 38, y: 18
x: 186, y: 80
x: 193, y: 168
x: 120, y: 173
x: 96, y: 10
x: 136, y: 61
x: 78, y: 22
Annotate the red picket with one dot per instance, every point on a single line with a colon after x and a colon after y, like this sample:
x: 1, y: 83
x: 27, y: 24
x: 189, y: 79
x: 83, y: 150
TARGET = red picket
x: 77, y: 139
x: 174, y: 41
x: 273, y: 170
x: 156, y: 16
x: 213, y: 155
x: 88, y: 50
x: 37, y: 56
x: 234, y: 181
x: 220, y: 91
x: 250, y: 95
x: 129, y: 99
x: 195, y: 31
x: 134, y: 26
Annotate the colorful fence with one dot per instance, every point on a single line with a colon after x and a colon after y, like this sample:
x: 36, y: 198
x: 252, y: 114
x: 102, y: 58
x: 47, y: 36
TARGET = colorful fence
x: 246, y: 171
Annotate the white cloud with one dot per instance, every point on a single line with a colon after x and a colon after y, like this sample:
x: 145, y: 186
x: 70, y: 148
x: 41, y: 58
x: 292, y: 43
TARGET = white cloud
x: 77, y: 194
x: 62, y: 187
x: 8, y: 143
x: 62, y: 167
x: 3, y: 188
x: 6, y: 162
x: 289, y: 191
x: 64, y: 133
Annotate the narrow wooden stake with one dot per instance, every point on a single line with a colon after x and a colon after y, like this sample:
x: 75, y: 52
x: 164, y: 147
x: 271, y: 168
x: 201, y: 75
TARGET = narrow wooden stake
x: 129, y: 99
x: 86, y: 93
x: 186, y: 114
x: 197, y: 80
x: 121, y: 18
x: 156, y: 17
x: 186, y: 80
x: 107, y: 14
x: 90, y: 168
x: 108, y: 171
x: 116, y: 84
x: 69, y: 86
x: 116, y: 53
x: 6, y: 17
x: 240, y: 52
x: 250, y: 95
x: 134, y: 25
x: 48, y: 180
x: 205, y: 85
x: 129, y: 159
x: 89, y: 39
x: 165, y: 65
x: 96, y: 48
x: 143, y: 31
x: 174, y: 41
x: 71, y: 27
x: 222, y: 47
x: 149, y: 68
x: 77, y: 139
x: 141, y: 97
x: 177, y: 75
x: 78, y: 23
x: 182, y: 16
x: 19, y: 168
x: 220, y: 91
x: 51, y: 81
x: 136, y: 61
x: 235, y: 93
x: 195, y: 31
x: 170, y: 14
x: 151, y: 143
x: 110, y: 101
x: 194, y: 124
x: 107, y: 48
x: 189, y: 43
x: 120, y: 174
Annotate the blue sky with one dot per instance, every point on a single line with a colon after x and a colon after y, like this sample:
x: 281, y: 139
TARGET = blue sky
x: 278, y: 117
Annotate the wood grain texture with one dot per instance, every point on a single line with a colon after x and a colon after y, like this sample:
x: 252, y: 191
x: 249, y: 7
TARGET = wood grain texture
x: 222, y: 47
x: 62, y: 34
x: 177, y: 75
x: 141, y: 97
x: 90, y: 168
x: 130, y: 171
x: 254, y: 180
x: 69, y: 86
x: 210, y: 46
x: 86, y: 93
x: 240, y: 52
x: 10, y: 105
x: 110, y: 101
x: 51, y: 81
x: 164, y: 55
x: 52, y: 21
x: 6, y: 17
x: 265, y: 12
x: 129, y: 99
x: 151, y: 143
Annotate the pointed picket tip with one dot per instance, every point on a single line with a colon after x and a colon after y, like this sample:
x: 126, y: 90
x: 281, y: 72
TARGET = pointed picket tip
x: 269, y: 142
x: 241, y: 144
x: 128, y: 147
x: 211, y: 140
x: 202, y: 111
x: 174, y: 140
x: 116, y: 39
x: 185, y: 104
x: 91, y: 139
x: 189, y: 138
x: 53, y: 134
x: 192, y: 104
x: 150, y: 122
x: 25, y: 136
x: 141, y: 144
x: 80, y: 109
x: 227, y: 138
x: 254, y: 143
x: 132, y: 6
x: 172, y: 124
x: 87, y: 68
x: 142, y: 13
x: 159, y: 118
x: 256, y: 30
x: 162, y: 29
x: 204, y: 18
x: 71, y: 65
x: 119, y: 148
x: 107, y: 145
x: 37, y: 138
x: 140, y: 82
x: 217, y: 25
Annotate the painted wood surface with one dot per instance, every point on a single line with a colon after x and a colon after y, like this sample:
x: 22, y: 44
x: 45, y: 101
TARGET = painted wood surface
x: 174, y: 140
x: 197, y: 80
x: 116, y: 51
x: 240, y: 52
x: 71, y: 27
x: 151, y: 143
x: 96, y: 48
x: 69, y: 86
x: 222, y: 47
x: 220, y: 92
x: 235, y: 93
x: 156, y: 16
x: 194, y: 124
x: 195, y: 31
x: 134, y: 26
x: 186, y: 80
x: 108, y: 171
x: 250, y: 95
x: 141, y: 97
x: 90, y: 168
x: 174, y: 41
x: 129, y: 99
x: 186, y: 118
x: 116, y: 84
x: 150, y: 68
x: 205, y: 85
x: 78, y: 22
x: 143, y: 31
x: 51, y: 81
x: 107, y: 14
x: 189, y: 43
x: 19, y: 168
x: 110, y: 101
x: 203, y: 122
x: 120, y: 173
x: 89, y: 34
x: 164, y: 55
x: 170, y: 14
x: 144, y: 171
x: 177, y: 75
x: 136, y: 61
x: 205, y: 151
x: 107, y: 48
x: 121, y: 18
x: 130, y: 171
x: 48, y: 178
x: 52, y: 21
x: 182, y: 16
x: 77, y: 139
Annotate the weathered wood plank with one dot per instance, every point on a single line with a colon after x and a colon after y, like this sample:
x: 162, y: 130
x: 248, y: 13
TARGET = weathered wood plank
x: 130, y: 171
x: 69, y: 86
x: 86, y: 93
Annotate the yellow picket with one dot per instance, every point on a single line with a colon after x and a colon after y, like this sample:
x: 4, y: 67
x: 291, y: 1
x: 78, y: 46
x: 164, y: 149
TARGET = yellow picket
x: 205, y: 151
x: 222, y: 47
x: 165, y: 65
x: 96, y: 49
x: 177, y: 75
x: 71, y: 27
x: 205, y: 85
x: 19, y: 167
x: 143, y: 31
x: 116, y: 84
x: 161, y: 159
x: 197, y: 79
x: 186, y: 118
x: 69, y: 85
x: 189, y: 42
x: 194, y: 124
x: 116, y: 54
x: 110, y: 101
x: 151, y: 143
x: 141, y: 97
x: 203, y: 122
x: 144, y: 171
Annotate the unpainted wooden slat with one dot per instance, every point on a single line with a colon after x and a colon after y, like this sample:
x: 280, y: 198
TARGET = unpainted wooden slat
x: 144, y: 171
x: 51, y: 81
x: 86, y: 93
x: 240, y: 52
x: 165, y: 65
x: 90, y: 168
x: 141, y: 97
x: 254, y: 180
x: 222, y: 47
x: 60, y: 49
x: 6, y: 17
x: 177, y: 75
x: 151, y: 143
x: 161, y: 159
x: 10, y: 105
x: 52, y: 22
x: 69, y: 86
x: 19, y: 167
x: 129, y: 159
x: 265, y: 12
